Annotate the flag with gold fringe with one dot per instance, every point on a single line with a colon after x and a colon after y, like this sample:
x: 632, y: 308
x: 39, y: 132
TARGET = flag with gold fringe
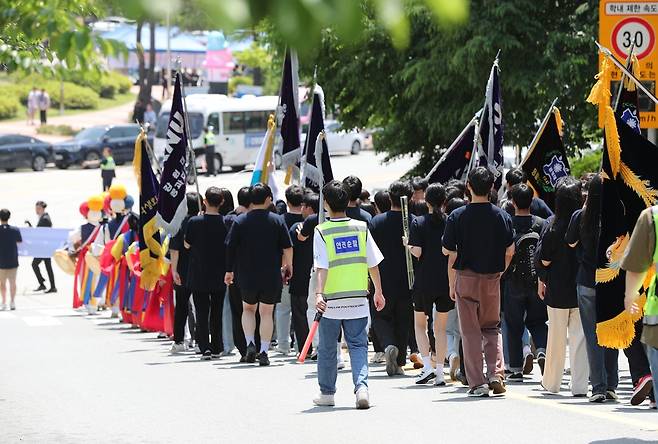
x: 630, y: 184
x: 151, y: 252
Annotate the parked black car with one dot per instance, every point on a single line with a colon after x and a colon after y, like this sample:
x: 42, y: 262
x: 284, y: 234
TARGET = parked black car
x: 18, y: 151
x: 88, y: 144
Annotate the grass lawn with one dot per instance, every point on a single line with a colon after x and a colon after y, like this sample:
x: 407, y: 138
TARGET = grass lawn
x: 118, y: 100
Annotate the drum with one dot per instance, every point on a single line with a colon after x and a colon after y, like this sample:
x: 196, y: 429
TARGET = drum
x: 93, y: 263
x: 65, y: 261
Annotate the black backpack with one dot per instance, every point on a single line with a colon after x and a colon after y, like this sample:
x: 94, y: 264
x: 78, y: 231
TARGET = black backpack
x: 522, y: 269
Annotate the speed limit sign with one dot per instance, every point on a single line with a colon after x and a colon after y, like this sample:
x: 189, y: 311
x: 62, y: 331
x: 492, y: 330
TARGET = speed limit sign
x: 636, y: 33
x: 626, y: 25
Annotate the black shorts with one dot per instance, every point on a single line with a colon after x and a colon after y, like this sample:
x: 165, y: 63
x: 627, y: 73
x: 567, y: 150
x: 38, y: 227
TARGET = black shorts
x: 425, y: 302
x: 253, y: 297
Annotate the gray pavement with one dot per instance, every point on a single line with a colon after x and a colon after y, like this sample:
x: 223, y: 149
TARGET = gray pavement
x: 66, y: 377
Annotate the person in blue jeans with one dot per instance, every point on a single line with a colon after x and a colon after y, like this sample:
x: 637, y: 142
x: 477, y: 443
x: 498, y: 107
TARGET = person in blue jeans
x: 582, y: 234
x: 344, y: 253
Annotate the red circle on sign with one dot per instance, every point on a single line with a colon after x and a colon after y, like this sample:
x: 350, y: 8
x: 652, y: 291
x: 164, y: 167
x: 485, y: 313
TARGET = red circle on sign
x: 640, y: 21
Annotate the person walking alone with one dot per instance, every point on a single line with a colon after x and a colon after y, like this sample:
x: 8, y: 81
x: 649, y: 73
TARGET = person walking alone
x: 44, y: 104
x: 108, y: 167
x: 209, y: 146
x: 44, y: 221
x: 10, y: 237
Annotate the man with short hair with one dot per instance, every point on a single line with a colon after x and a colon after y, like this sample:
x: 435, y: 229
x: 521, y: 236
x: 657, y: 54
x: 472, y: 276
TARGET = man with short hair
x: 522, y: 306
x: 479, y: 240
x: 538, y: 207
x: 44, y: 221
x: 344, y: 254
x: 302, y: 262
x: 354, y: 187
x: 205, y: 236
x: 10, y: 237
x: 259, y: 255
x: 293, y: 215
x: 393, y: 324
x: 417, y: 205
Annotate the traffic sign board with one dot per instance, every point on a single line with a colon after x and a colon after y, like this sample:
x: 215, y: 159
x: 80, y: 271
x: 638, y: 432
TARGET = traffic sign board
x: 626, y: 24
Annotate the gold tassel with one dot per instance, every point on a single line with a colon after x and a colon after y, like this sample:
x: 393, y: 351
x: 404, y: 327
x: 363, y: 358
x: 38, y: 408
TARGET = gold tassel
x: 604, y: 275
x: 137, y: 159
x: 558, y: 120
x: 629, y: 83
x: 612, y: 140
x: 641, y: 187
x: 600, y: 93
x: 617, y: 332
x: 614, y: 253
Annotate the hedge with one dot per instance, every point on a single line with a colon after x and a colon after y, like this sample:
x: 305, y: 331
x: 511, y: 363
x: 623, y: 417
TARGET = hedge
x: 75, y: 96
x: 233, y: 82
x: 589, y: 163
x: 106, y: 84
x: 8, y: 106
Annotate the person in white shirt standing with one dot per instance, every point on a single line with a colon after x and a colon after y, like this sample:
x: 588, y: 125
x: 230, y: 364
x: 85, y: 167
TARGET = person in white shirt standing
x: 32, y: 105
x: 44, y: 104
x: 344, y: 253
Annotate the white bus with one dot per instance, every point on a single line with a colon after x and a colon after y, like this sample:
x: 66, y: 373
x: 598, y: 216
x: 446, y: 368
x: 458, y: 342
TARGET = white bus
x: 239, y: 126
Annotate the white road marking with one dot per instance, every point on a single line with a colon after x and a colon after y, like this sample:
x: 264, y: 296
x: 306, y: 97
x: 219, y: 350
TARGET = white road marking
x: 6, y: 315
x: 41, y: 321
x: 61, y: 312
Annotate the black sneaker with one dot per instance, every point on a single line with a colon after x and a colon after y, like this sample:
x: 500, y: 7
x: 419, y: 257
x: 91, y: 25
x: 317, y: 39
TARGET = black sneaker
x: 206, y: 356
x: 263, y: 359
x: 243, y: 359
x: 515, y: 377
x: 610, y: 395
x: 597, y: 397
x: 251, y: 353
x: 51, y: 290
x: 528, y: 363
x: 41, y: 287
x: 541, y: 361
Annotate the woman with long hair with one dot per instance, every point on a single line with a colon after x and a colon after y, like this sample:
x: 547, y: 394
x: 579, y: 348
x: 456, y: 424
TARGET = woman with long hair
x: 557, y: 287
x: 431, y: 291
x: 583, y: 235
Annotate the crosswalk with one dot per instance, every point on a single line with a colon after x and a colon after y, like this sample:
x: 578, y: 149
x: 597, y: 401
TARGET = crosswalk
x: 37, y: 316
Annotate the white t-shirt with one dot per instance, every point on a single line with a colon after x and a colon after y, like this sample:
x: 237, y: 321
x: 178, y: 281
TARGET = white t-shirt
x: 351, y: 308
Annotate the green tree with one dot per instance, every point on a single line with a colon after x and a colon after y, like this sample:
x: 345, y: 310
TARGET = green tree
x: 421, y: 96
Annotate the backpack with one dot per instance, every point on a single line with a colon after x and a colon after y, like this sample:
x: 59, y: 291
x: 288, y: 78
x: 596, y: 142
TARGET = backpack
x: 522, y: 268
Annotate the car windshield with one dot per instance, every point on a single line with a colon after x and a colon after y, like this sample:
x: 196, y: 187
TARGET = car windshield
x: 93, y: 133
x: 196, y: 125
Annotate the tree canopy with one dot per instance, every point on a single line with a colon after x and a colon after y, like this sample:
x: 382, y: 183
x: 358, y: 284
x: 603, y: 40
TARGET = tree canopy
x: 421, y: 96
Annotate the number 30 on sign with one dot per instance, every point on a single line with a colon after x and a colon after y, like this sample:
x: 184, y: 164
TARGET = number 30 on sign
x: 633, y: 32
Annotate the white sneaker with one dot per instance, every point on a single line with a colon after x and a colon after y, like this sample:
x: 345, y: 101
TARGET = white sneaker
x: 362, y: 399
x: 162, y: 335
x: 425, y: 376
x: 439, y: 379
x: 283, y: 351
x: 3, y: 307
x: 197, y: 349
x: 177, y: 348
x: 12, y: 306
x: 91, y: 310
x: 324, y: 400
x: 378, y: 358
x: 340, y: 364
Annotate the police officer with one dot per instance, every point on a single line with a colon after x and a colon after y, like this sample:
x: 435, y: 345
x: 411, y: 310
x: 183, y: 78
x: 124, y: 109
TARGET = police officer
x: 209, y: 144
x: 344, y: 252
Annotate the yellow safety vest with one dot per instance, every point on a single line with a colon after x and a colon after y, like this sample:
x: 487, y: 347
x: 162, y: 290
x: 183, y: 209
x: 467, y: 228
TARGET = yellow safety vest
x: 209, y: 138
x: 651, y: 306
x: 347, y: 276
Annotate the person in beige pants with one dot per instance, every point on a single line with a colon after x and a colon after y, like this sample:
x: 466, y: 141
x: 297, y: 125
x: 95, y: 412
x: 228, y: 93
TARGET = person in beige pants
x: 564, y: 327
x: 557, y: 287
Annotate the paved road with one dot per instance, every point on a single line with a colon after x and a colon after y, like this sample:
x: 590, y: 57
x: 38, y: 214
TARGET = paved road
x: 66, y: 377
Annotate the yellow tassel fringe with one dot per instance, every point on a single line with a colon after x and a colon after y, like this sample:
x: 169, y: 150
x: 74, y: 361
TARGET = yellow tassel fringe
x: 629, y: 84
x: 558, y: 120
x: 617, y: 332
x: 641, y: 187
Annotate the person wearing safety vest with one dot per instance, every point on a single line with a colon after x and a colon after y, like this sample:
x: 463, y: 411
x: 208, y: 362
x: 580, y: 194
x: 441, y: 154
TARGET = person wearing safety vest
x: 343, y: 254
x: 209, y: 146
x: 107, y: 168
x: 642, y: 255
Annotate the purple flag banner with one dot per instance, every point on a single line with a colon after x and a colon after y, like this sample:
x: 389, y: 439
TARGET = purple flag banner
x: 172, y: 205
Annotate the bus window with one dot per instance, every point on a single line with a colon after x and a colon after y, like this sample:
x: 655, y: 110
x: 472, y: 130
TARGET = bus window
x: 233, y: 122
x: 256, y: 121
x: 195, y: 121
x: 213, y: 120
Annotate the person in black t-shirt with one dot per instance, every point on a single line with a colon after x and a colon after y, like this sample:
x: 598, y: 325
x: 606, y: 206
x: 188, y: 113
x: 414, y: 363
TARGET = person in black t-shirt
x: 259, y: 254
x: 583, y: 235
x: 392, y: 324
x: 537, y: 208
x: 478, y: 239
x: 302, y: 262
x: 283, y: 310
x: 382, y: 201
x: 205, y: 236
x: 44, y: 221
x: 179, y: 266
x: 417, y: 205
x: 522, y: 307
x: 431, y: 290
x: 10, y: 237
x: 557, y: 287
x: 355, y: 187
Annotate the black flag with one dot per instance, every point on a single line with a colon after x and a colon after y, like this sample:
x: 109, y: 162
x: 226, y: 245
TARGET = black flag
x: 490, y: 140
x: 288, y: 112
x: 313, y: 178
x: 546, y: 161
x: 454, y: 162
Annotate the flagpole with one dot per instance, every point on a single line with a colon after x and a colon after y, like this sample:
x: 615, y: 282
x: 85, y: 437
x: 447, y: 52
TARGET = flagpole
x: 629, y: 61
x: 186, y: 122
x: 606, y: 52
x: 452, y: 145
x: 318, y: 162
x: 312, y: 92
x: 531, y: 147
